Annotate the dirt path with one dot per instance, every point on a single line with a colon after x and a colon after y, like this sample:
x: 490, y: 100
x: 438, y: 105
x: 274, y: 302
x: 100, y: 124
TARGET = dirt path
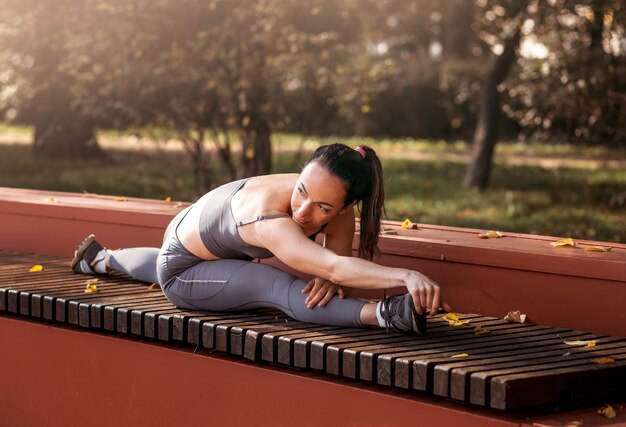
x: 506, y: 159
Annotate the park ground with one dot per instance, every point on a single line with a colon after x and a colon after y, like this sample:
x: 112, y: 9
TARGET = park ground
x: 556, y: 189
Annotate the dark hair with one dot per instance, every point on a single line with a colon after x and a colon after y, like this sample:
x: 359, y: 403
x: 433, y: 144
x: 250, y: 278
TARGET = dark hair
x: 362, y: 175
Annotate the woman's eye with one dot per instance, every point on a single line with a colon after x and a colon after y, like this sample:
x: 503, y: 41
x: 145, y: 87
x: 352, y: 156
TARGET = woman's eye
x: 300, y: 190
x: 325, y: 210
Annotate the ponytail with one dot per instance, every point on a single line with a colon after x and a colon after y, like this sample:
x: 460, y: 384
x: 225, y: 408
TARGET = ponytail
x: 360, y: 171
x: 372, y: 206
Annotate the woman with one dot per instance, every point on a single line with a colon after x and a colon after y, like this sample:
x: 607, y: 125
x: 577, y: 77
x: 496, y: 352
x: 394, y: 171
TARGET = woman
x: 205, y: 261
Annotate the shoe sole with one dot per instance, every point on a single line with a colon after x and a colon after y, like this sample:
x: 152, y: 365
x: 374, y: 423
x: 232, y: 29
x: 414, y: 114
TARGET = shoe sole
x: 78, y: 255
x: 419, y: 323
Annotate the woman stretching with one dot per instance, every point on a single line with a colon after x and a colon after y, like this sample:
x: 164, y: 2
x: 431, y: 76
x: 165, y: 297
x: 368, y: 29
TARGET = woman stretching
x: 205, y: 261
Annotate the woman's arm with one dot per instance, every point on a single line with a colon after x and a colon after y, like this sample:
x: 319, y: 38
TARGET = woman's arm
x: 338, y: 236
x: 285, y: 240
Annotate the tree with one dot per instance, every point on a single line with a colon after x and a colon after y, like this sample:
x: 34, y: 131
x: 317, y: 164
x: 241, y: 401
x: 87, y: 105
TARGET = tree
x: 486, y: 133
x: 572, y: 76
x: 36, y: 37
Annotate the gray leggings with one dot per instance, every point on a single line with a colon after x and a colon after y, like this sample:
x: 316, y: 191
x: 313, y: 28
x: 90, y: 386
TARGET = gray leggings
x: 227, y: 284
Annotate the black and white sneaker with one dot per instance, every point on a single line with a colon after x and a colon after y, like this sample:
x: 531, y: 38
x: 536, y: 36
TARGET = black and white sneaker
x: 399, y: 313
x: 88, y: 253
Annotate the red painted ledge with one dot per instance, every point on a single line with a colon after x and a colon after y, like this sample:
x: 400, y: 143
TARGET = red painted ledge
x: 64, y: 376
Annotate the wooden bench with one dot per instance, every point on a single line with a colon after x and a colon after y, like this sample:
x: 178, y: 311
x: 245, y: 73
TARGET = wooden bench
x: 514, y: 366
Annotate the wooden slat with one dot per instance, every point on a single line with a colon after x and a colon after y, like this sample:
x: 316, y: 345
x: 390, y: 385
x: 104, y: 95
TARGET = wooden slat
x: 548, y: 386
x: 480, y: 381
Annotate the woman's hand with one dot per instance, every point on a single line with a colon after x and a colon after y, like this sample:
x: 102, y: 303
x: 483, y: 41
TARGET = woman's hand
x: 426, y: 293
x: 321, y: 291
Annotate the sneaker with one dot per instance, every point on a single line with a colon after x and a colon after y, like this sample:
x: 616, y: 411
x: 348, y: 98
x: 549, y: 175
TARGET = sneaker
x: 399, y: 313
x: 86, y: 255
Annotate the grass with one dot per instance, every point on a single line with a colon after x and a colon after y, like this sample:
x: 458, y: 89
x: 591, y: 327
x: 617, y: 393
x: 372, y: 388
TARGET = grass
x: 578, y: 202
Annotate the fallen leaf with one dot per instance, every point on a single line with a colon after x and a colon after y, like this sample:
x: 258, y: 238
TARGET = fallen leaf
x: 453, y: 320
x: 607, y: 411
x: 91, y: 286
x: 564, y: 242
x: 450, y: 317
x: 480, y: 331
x: 457, y: 356
x: 36, y: 268
x: 178, y: 205
x: 574, y: 423
x: 491, y: 234
x: 388, y: 231
x: 408, y: 224
x: 603, y: 360
x: 515, y: 316
x: 51, y: 200
x: 569, y: 353
x: 168, y: 199
x: 154, y: 286
x: 120, y: 199
x: 598, y: 248
x: 580, y: 343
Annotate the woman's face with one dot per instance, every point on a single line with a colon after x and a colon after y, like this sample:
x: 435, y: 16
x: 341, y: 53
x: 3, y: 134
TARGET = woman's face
x: 317, y: 197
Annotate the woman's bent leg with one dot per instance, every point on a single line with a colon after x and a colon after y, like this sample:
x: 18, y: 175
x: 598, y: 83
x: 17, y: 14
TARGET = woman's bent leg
x: 234, y: 285
x: 139, y: 263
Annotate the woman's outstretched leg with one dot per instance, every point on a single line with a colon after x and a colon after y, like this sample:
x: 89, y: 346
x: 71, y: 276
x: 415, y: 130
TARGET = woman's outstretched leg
x: 92, y: 258
x: 138, y: 263
x: 235, y: 285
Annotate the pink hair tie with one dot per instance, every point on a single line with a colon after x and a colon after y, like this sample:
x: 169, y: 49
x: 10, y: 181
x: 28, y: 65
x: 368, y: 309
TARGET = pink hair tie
x: 360, y: 150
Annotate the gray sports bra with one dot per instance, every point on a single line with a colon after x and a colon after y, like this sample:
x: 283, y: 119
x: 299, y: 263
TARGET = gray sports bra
x: 218, y: 228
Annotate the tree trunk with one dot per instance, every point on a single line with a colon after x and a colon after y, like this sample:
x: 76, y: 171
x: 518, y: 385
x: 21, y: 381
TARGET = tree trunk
x: 486, y: 132
x: 202, y: 176
x: 256, y: 153
x: 59, y: 138
x: 60, y: 132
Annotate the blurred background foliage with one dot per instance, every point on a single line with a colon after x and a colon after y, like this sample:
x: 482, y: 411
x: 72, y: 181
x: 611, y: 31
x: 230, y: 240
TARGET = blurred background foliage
x: 225, y: 77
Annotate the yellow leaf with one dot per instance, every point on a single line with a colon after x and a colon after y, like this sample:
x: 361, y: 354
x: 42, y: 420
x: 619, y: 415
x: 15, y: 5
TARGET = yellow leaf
x: 598, y: 248
x: 480, y: 331
x: 574, y: 423
x: 607, y: 411
x: 515, y: 316
x: 603, y: 360
x: 408, y: 224
x: 120, y: 199
x: 36, y: 268
x: 457, y: 356
x: 491, y: 234
x: 168, y: 199
x: 450, y: 316
x: 580, y: 343
x: 154, y: 286
x: 51, y: 200
x: 453, y: 320
x: 91, y: 286
x: 564, y: 242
